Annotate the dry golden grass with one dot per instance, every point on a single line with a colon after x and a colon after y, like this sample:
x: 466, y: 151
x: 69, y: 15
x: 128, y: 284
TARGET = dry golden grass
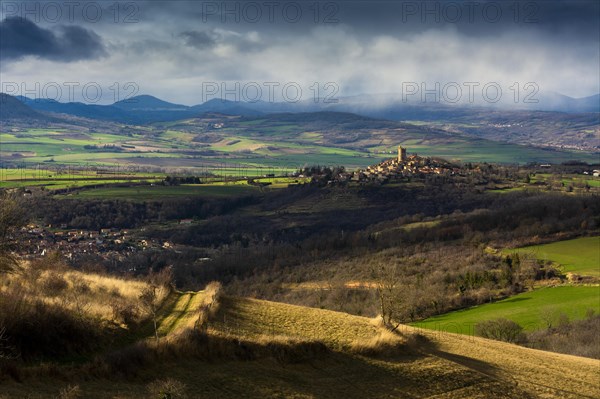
x: 383, y: 341
x: 84, y: 293
x: 542, y: 374
x: 456, y: 366
x: 252, y: 318
x: 366, y: 361
x: 325, y: 285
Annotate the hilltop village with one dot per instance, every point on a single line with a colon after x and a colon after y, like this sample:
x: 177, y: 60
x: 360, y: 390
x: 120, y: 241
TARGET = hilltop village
x: 402, y: 166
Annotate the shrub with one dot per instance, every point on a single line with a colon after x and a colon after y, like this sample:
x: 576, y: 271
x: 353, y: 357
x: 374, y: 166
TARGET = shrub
x: 209, y: 308
x: 37, y: 329
x: 167, y: 389
x: 125, y: 313
x: 52, y: 261
x: 163, y: 278
x: 123, y: 363
x: 80, y: 285
x: 500, y: 329
x: 11, y: 218
x: 70, y: 392
x: 578, y: 338
x: 54, y: 284
x: 387, y: 343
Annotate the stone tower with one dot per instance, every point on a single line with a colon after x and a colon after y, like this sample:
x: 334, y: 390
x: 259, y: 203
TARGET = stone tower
x: 401, y: 154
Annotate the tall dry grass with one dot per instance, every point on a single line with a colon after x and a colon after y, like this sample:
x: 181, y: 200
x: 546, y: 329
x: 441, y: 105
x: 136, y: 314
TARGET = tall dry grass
x: 210, y: 305
x: 86, y: 294
x: 48, y: 310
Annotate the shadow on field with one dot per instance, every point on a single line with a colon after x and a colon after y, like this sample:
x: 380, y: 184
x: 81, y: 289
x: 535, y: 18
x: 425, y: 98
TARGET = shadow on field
x: 426, y: 346
x: 515, y: 300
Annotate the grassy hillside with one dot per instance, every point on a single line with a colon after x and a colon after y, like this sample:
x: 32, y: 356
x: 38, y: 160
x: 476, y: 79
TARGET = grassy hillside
x: 444, y: 364
x: 362, y: 360
x: 580, y: 256
x: 253, y: 319
x: 540, y: 374
x: 529, y: 309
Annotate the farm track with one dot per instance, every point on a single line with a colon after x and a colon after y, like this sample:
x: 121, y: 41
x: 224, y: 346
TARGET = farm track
x: 181, y: 313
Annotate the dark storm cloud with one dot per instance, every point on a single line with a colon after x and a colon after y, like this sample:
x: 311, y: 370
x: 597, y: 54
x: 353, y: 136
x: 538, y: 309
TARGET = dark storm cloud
x: 363, y: 46
x: 20, y: 37
x: 482, y: 17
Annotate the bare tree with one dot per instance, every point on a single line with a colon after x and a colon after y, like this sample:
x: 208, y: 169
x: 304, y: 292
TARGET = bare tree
x: 548, y: 315
x: 11, y: 218
x: 386, y: 278
x: 162, y: 278
x: 149, y: 299
x: 6, y: 350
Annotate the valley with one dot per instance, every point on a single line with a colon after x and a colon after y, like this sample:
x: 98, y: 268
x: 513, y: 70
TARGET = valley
x: 288, y: 248
x: 304, y: 200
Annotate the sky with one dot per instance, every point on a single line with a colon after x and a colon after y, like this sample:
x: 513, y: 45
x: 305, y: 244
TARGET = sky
x: 187, y: 52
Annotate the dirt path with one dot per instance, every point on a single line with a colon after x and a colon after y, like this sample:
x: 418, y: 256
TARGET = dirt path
x: 181, y: 314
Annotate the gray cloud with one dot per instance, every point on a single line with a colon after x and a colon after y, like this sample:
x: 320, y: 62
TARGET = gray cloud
x: 20, y: 37
x: 362, y: 46
x: 200, y: 39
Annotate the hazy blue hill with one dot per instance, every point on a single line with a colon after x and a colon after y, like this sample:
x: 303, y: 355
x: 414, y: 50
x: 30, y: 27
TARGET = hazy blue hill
x: 12, y: 108
x: 108, y: 112
x: 102, y: 112
x: 321, y: 116
x: 325, y: 120
x: 561, y: 103
x: 226, y: 107
x: 148, y: 103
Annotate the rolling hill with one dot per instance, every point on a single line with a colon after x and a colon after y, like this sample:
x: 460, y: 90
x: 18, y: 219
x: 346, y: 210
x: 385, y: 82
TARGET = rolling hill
x: 148, y: 103
x: 285, y: 141
x: 91, y: 111
x: 13, y: 109
x: 556, y: 121
x: 282, y: 350
x: 225, y: 107
x: 143, y: 109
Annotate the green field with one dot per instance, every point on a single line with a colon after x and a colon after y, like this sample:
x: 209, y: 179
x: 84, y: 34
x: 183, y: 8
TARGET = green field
x: 566, y: 179
x: 528, y: 309
x: 580, y: 256
x: 260, y: 143
x: 141, y: 193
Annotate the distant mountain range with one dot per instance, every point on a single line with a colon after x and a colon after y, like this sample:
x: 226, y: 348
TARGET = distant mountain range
x: 148, y: 109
